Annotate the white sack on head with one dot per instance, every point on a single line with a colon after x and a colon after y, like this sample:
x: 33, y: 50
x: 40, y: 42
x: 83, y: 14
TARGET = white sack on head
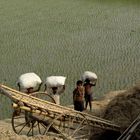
x: 55, y: 81
x: 89, y: 75
x: 29, y: 80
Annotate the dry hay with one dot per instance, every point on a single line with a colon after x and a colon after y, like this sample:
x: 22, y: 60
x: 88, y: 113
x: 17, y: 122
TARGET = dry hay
x: 124, y: 108
x: 121, y: 107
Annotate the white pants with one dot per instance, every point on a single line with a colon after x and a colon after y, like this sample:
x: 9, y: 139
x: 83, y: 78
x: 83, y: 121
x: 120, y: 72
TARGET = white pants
x: 57, y: 98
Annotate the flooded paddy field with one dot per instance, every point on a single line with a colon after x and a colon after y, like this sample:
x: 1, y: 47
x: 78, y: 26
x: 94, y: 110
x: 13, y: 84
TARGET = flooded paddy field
x: 68, y: 37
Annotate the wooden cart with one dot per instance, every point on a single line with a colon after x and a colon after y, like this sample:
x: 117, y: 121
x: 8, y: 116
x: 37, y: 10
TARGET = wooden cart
x: 32, y: 116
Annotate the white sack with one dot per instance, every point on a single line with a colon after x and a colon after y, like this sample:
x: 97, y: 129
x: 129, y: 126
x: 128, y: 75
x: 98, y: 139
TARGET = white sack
x: 55, y: 81
x: 89, y: 75
x: 29, y: 80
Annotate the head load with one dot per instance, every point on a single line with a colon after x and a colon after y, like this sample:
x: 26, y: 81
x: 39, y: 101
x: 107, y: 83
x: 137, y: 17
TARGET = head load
x: 29, y: 81
x: 56, y: 83
x: 89, y: 77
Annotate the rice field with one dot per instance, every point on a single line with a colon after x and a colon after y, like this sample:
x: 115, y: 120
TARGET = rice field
x: 68, y: 37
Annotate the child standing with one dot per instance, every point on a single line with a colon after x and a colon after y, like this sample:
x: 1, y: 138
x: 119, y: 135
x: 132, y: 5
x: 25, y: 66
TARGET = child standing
x: 78, y: 96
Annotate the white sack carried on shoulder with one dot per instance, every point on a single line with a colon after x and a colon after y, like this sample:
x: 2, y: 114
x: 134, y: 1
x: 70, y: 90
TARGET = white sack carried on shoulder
x: 55, y: 81
x: 89, y: 75
x: 29, y: 80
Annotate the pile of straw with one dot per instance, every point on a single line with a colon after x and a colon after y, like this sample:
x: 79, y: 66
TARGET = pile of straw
x: 124, y: 108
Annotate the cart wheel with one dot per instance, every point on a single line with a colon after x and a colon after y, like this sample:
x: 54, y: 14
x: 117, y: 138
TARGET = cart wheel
x: 27, y: 123
x: 74, y: 126
x: 44, y: 96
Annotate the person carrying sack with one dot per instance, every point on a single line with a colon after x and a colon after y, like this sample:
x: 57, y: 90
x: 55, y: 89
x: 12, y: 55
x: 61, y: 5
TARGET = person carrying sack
x: 88, y: 93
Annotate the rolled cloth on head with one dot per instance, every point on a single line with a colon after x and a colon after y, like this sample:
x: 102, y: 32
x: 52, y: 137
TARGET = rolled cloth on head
x: 29, y: 80
x: 55, y: 81
x: 89, y: 75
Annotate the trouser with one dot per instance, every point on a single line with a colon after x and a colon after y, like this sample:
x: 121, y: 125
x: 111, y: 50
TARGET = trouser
x: 79, y: 105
